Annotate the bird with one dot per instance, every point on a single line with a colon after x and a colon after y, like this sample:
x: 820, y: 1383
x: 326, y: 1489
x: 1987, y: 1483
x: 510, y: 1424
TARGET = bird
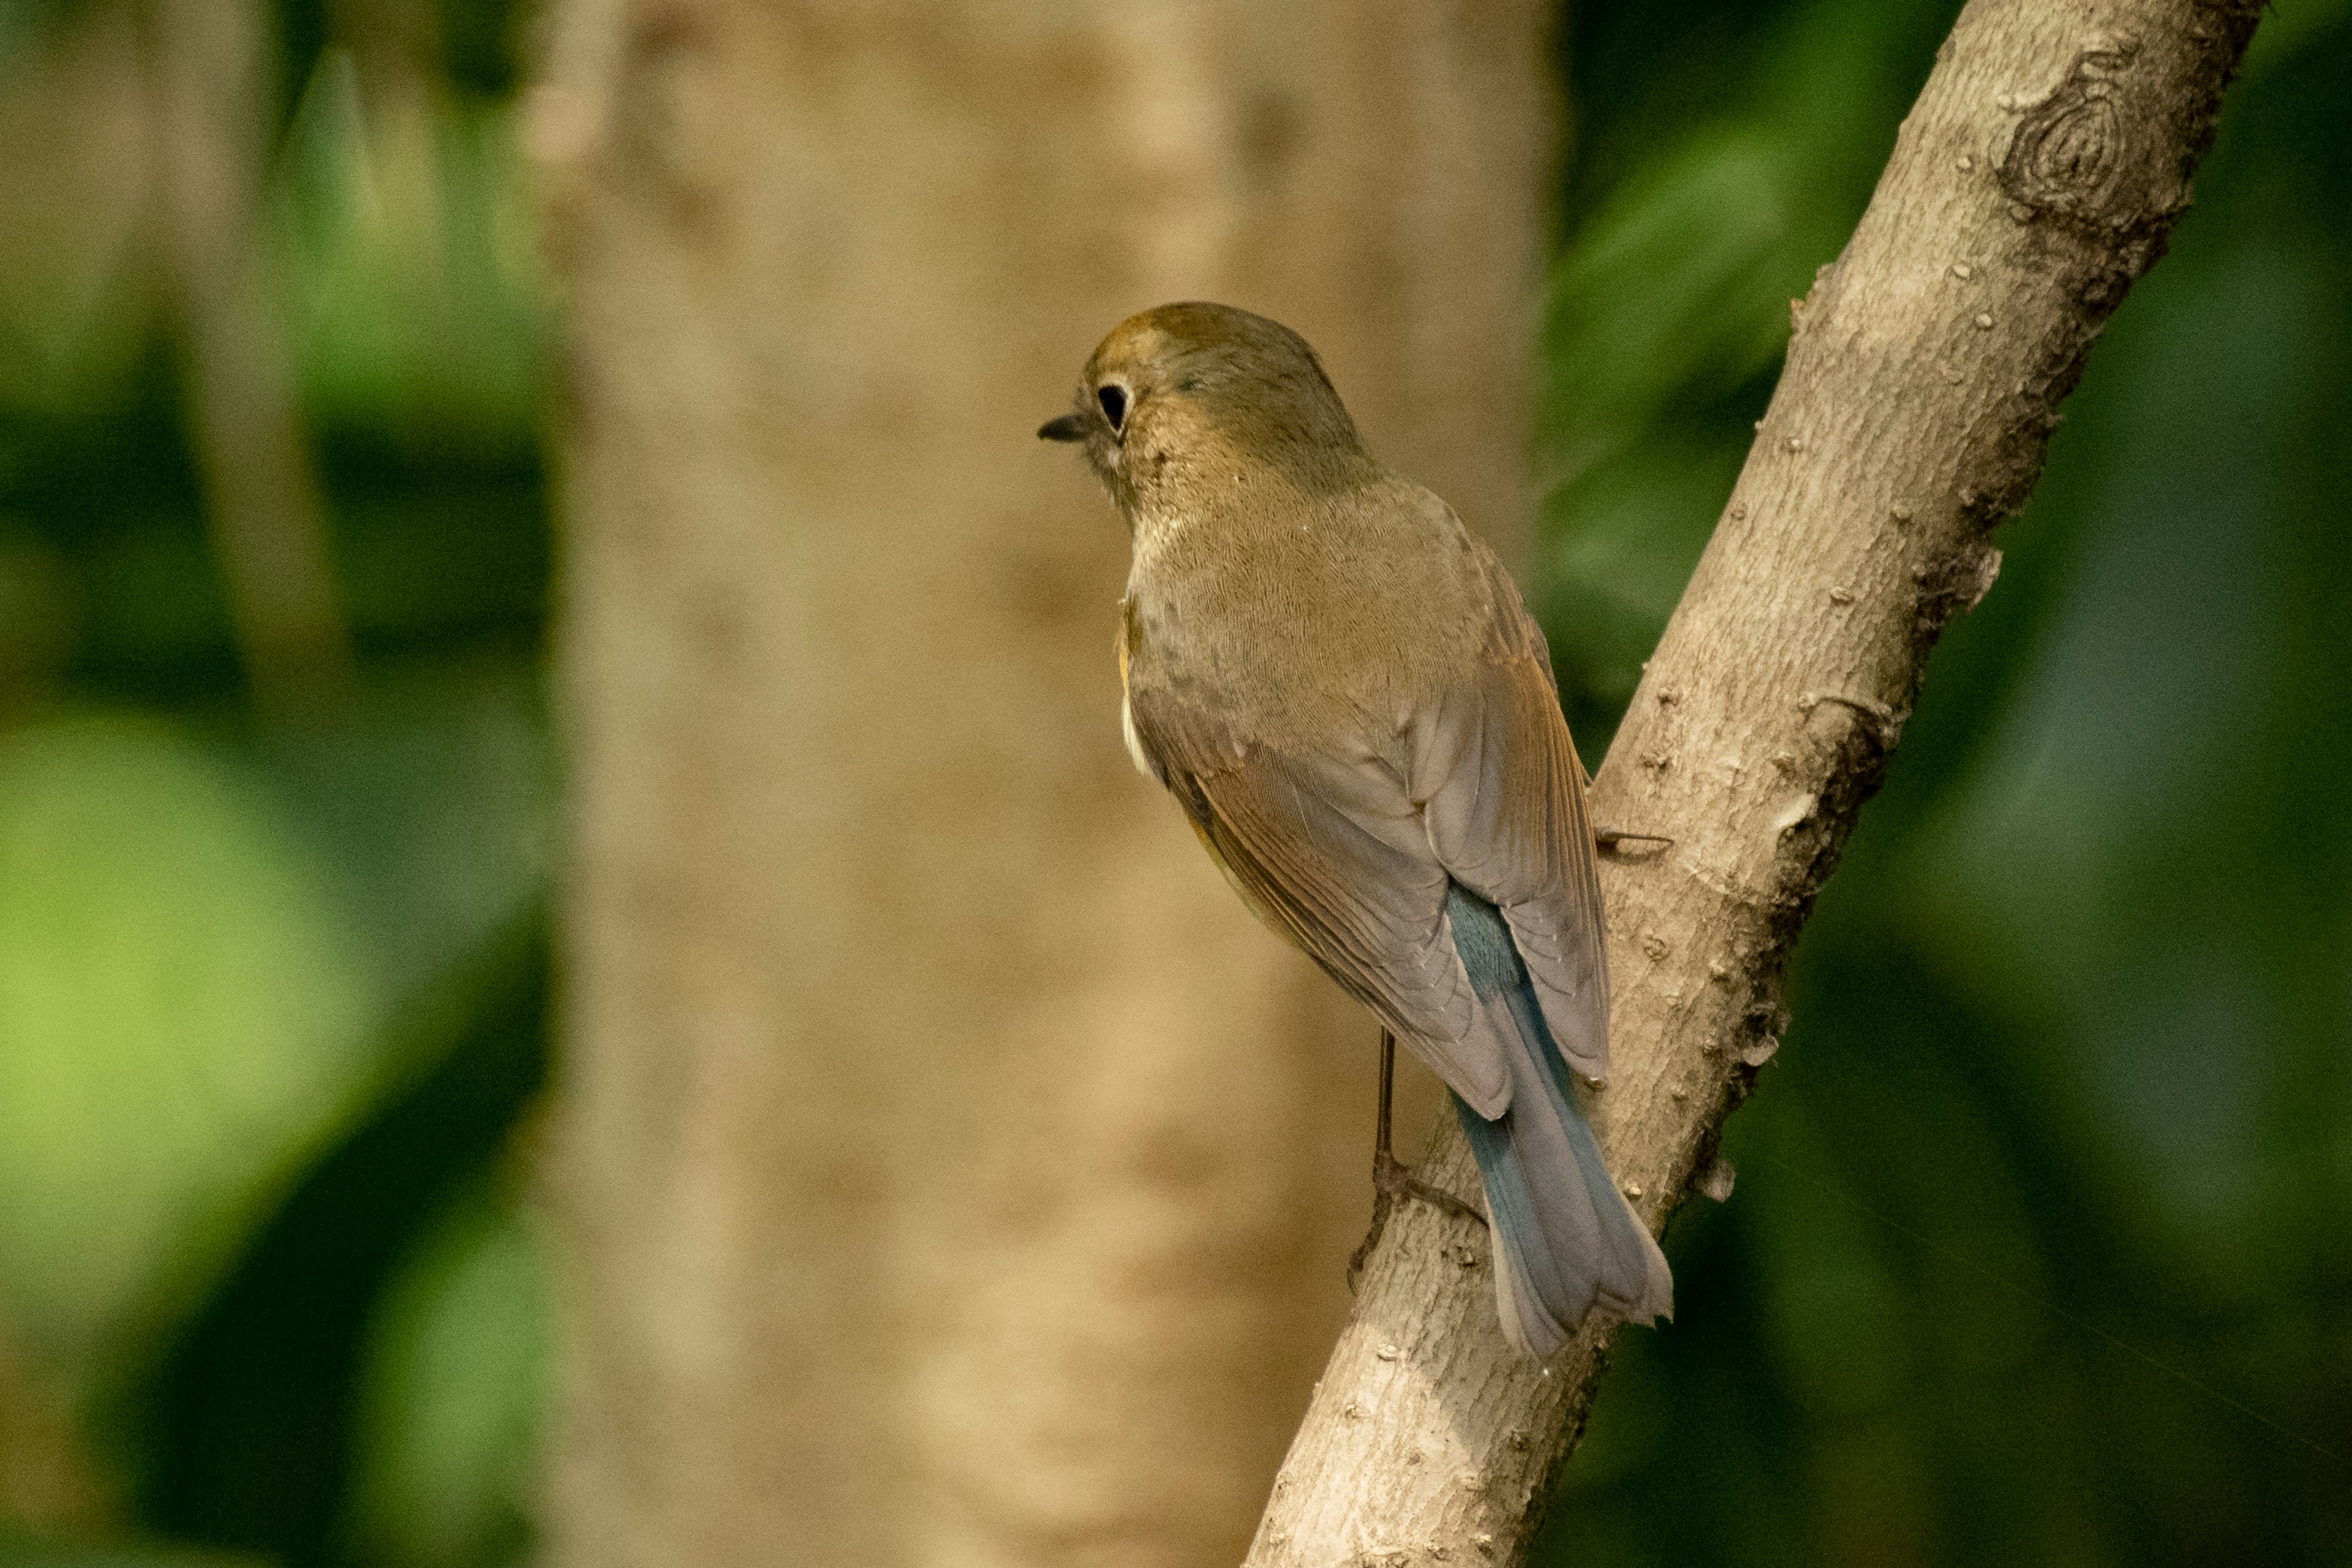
x: 1343, y: 689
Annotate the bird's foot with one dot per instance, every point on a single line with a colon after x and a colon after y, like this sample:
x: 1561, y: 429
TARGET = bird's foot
x: 1607, y: 839
x: 1393, y: 1179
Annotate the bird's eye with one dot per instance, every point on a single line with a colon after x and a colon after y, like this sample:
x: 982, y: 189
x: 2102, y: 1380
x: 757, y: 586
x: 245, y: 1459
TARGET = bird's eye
x: 1113, y: 398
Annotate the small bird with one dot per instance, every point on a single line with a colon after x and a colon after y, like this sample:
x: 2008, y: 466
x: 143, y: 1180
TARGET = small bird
x: 1344, y: 691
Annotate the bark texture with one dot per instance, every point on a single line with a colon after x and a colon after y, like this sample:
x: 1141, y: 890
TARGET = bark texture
x: 2037, y: 177
x: 950, y: 1171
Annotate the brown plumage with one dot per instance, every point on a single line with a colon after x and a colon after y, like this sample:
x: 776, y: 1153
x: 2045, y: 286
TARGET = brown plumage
x: 1342, y: 689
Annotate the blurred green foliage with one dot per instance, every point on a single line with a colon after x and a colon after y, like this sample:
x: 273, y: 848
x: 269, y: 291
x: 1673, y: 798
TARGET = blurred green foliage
x: 446, y: 1461
x: 164, y: 1066
x: 272, y: 989
x: 2036, y: 1249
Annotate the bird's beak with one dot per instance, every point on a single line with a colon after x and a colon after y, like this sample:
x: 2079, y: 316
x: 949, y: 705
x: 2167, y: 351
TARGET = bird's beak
x: 1069, y: 427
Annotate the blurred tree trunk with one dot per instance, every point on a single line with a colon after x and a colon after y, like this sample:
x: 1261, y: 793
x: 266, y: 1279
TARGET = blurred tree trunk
x: 950, y: 1170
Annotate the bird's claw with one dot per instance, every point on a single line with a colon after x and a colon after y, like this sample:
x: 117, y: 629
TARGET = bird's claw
x: 1393, y: 1179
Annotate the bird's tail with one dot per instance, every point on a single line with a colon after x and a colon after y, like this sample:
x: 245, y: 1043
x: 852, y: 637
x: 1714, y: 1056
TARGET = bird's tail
x: 1566, y: 1241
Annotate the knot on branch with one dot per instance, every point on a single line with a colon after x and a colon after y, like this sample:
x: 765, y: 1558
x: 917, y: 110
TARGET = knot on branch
x: 2067, y: 155
x: 1884, y: 724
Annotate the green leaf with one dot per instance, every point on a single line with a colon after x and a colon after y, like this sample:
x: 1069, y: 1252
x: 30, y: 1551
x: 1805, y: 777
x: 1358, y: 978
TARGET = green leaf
x: 182, y: 1009
x: 452, y: 1401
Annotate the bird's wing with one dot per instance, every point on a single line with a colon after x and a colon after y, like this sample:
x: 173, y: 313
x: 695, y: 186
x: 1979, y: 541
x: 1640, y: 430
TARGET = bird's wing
x: 1505, y: 815
x: 1349, y: 860
x: 1330, y: 852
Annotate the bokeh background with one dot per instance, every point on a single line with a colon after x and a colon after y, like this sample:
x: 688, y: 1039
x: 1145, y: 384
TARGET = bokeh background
x: 2039, y: 1249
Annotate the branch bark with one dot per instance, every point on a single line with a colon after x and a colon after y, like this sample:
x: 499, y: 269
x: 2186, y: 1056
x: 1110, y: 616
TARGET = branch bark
x: 2037, y: 177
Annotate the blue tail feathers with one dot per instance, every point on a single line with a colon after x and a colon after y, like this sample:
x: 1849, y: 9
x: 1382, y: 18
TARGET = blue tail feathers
x: 1565, y: 1240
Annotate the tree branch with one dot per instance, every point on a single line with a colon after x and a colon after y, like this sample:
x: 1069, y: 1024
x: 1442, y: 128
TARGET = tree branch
x: 204, y: 67
x: 2037, y: 177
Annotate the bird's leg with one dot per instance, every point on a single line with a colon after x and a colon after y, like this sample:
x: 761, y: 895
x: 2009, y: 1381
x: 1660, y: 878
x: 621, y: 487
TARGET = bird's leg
x: 1608, y: 839
x: 1392, y: 1177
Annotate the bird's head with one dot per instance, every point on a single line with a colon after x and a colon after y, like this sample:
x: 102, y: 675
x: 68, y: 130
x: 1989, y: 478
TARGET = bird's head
x: 1183, y: 402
